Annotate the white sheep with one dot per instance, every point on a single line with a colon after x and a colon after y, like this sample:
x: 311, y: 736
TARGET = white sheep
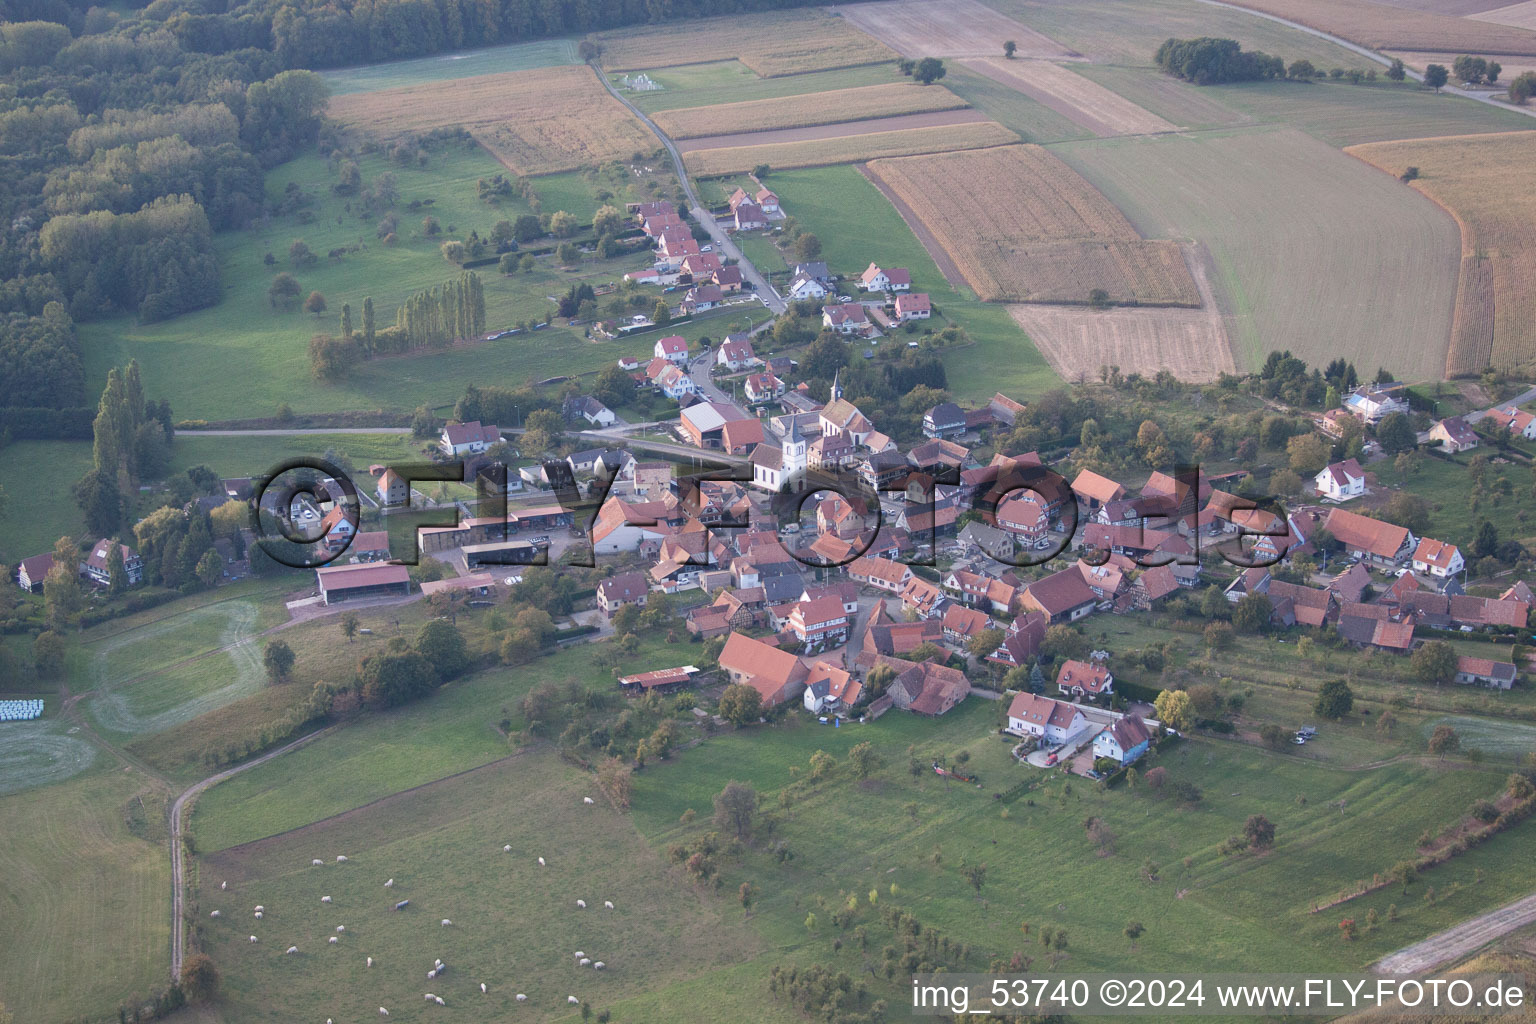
x: 253, y: 938
x: 389, y: 884
x: 293, y: 949
x: 429, y: 997
x: 436, y: 962
x: 541, y: 862
x: 341, y: 928
x: 482, y: 987
x: 522, y: 998
x: 334, y: 940
x: 258, y: 915
x: 316, y: 862
x: 579, y: 954
x: 446, y: 922
x: 582, y: 904
x: 573, y: 1000
x: 599, y: 965
x: 370, y: 961
x: 439, y: 1001
x: 431, y: 975
x: 608, y: 904
x: 325, y: 899
x: 585, y: 962
x: 507, y: 848
x: 214, y: 914
x: 383, y: 1012
x: 223, y: 885
x: 588, y: 800
x: 259, y: 908
x: 341, y: 859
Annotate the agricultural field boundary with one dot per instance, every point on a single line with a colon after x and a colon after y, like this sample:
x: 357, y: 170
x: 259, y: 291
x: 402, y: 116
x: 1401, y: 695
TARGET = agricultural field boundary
x: 840, y: 130
x: 1077, y: 98
x: 941, y: 258
x: 837, y: 106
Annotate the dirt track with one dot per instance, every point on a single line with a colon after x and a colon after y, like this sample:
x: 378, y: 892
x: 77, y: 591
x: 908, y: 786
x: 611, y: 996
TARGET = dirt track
x: 930, y: 119
x: 1463, y: 939
x: 945, y: 263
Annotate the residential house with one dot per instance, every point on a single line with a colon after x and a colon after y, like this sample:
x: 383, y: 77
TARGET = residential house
x: 336, y: 528
x: 1350, y: 586
x: 701, y: 297
x: 821, y: 620
x: 960, y: 624
x: 763, y: 387
x: 845, y: 318
x: 750, y: 217
x: 1063, y: 596
x: 673, y: 348
x: 829, y: 689
x: 1053, y: 721
x: 829, y: 452
x: 776, y: 675
x: 979, y: 538
x: 1438, y: 559
x: 1382, y: 544
x: 469, y: 438
x: 938, y: 456
x: 590, y: 409
x: 1292, y: 604
x: 1021, y: 643
x: 32, y: 571
x: 767, y: 200
x: 1123, y: 741
x: 976, y: 590
x: 875, y: 279
x: 628, y: 526
x: 1454, y: 434
x: 673, y: 381
x: 880, y: 573
x: 94, y: 568
x: 883, y: 470
x: 1027, y: 521
x: 1519, y: 422
x: 1500, y: 675
x: 928, y: 688
x: 803, y: 286
x: 615, y: 592
x: 728, y: 279
x: 1085, y: 678
x: 913, y: 306
x: 816, y: 270
x: 735, y: 353
x: 923, y: 599
x: 944, y: 420
x: 1374, y: 402
x: 393, y: 489
x: 701, y: 267
x: 1340, y: 480
x: 1094, y: 490
x: 1156, y: 584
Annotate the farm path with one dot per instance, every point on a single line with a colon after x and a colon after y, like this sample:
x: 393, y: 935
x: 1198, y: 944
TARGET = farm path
x: 178, y: 848
x: 701, y: 214
x: 1459, y: 941
x: 295, y: 431
x: 1363, y: 51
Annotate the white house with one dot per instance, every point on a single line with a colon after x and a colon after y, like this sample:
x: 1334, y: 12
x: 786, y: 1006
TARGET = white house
x: 1053, y: 721
x: 803, y: 286
x: 845, y: 317
x: 1437, y: 558
x: 763, y: 387
x: 735, y: 353
x: 1123, y: 741
x: 1341, y: 480
x: 674, y: 347
x: 469, y: 438
x: 675, y: 384
x: 1519, y: 422
x: 1372, y: 403
x: 829, y: 688
x: 874, y: 279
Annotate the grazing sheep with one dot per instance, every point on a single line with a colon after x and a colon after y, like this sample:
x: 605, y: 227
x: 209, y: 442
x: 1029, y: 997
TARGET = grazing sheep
x: 579, y: 954
x: 258, y: 915
x: 446, y: 922
x: 585, y: 962
x: 439, y: 1001
x: 334, y: 940
x: 341, y: 860
x: 293, y: 949
x: 608, y: 904
x: 573, y: 1000
x: 223, y: 885
x: 341, y: 928
x: 438, y: 964
x: 389, y: 884
x: 214, y: 914
x: 370, y: 961
x: 402, y: 904
x: 541, y: 862
x: 522, y: 998
x: 383, y: 1012
x: 431, y: 975
x: 253, y: 938
x: 316, y: 862
x: 325, y: 899
x: 588, y: 800
x: 599, y: 965
x: 259, y: 908
x: 429, y: 997
x: 582, y: 904
x: 482, y: 986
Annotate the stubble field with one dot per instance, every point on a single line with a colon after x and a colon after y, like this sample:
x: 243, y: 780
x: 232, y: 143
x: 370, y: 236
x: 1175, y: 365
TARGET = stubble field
x: 850, y: 148
x: 948, y: 28
x: 1483, y: 180
x: 1382, y: 27
x: 1081, y: 100
x: 1032, y: 229
x: 833, y: 107
x: 1520, y: 15
x: 535, y: 122
x: 781, y: 43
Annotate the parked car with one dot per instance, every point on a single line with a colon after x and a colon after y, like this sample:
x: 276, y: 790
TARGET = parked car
x: 1050, y: 758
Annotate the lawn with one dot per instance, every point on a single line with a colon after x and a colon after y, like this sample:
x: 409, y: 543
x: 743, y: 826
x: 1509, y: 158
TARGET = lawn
x: 86, y: 900
x: 542, y: 53
x: 30, y: 470
x: 857, y: 225
x: 1285, y: 218
x: 241, y: 358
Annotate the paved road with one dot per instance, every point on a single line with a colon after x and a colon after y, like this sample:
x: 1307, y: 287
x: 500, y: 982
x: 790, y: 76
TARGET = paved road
x: 1521, y: 399
x: 1480, y: 95
x: 1462, y: 940
x: 722, y: 240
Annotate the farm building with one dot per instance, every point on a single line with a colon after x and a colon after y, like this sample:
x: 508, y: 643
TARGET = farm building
x: 1371, y: 540
x: 359, y: 582
x: 776, y: 675
x: 1499, y: 675
x: 661, y: 680
x: 32, y: 571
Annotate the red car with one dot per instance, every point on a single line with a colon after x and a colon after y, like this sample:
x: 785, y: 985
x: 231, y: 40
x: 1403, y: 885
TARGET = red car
x: 1050, y: 758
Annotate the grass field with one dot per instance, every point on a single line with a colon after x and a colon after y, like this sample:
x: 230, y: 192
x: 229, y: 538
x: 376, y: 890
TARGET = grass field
x: 42, y: 751
x: 1497, y: 739
x: 810, y: 109
x: 492, y: 60
x: 781, y: 43
x: 41, y: 467
x: 825, y: 152
x: 948, y: 28
x: 730, y: 81
x: 242, y: 358
x: 536, y: 122
x: 1387, y: 28
x: 1079, y: 99
x: 1032, y: 120
x: 87, y: 902
x: 1032, y: 229
x: 1476, y: 179
x: 858, y: 225
x: 1285, y: 219
x: 1186, y: 105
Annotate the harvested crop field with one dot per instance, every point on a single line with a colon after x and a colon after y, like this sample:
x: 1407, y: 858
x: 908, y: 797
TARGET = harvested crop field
x: 1189, y: 343
x: 817, y: 133
x: 1310, y: 250
x: 1381, y: 27
x: 1084, y: 102
x: 535, y: 122
x: 1031, y: 229
x: 849, y: 149
x: 947, y: 28
x: 1521, y: 15
x: 781, y: 43
x: 833, y: 107
x: 1484, y: 181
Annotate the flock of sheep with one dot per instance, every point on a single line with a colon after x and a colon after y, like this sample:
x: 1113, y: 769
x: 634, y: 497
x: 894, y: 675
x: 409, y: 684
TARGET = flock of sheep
x: 438, y: 966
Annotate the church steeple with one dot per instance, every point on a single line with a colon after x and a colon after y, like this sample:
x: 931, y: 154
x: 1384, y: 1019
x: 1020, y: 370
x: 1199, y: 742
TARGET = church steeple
x: 837, y: 389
